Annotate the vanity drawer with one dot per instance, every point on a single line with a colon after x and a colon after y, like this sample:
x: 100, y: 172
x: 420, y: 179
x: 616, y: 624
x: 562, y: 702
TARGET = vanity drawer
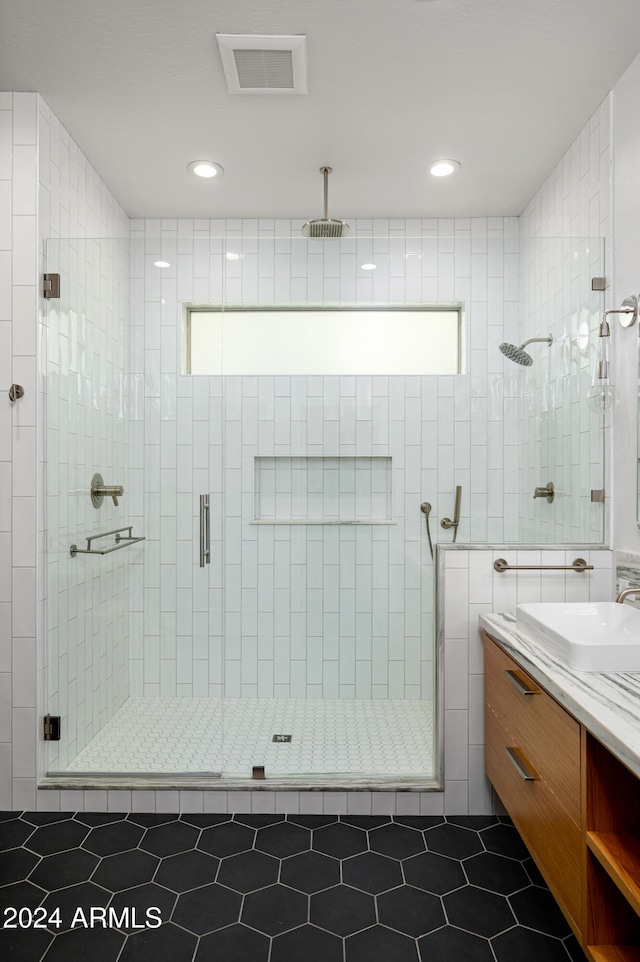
x: 547, y: 734
x: 550, y: 834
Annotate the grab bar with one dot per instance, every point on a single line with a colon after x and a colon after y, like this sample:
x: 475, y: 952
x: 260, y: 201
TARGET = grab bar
x: 578, y: 565
x: 122, y: 541
x: 205, y: 531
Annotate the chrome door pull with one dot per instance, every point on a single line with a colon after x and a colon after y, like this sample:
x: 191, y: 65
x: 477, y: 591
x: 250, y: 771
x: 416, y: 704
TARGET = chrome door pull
x: 517, y: 683
x: 205, y: 531
x: 520, y: 766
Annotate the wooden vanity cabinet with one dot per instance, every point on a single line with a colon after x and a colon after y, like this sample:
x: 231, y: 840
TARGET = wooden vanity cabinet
x: 576, y: 806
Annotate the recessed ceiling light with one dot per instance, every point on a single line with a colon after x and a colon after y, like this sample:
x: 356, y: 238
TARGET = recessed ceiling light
x: 161, y: 264
x: 205, y: 168
x: 444, y: 168
x: 368, y: 267
x: 232, y: 256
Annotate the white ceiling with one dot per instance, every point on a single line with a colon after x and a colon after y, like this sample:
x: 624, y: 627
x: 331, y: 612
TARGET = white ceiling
x: 503, y: 86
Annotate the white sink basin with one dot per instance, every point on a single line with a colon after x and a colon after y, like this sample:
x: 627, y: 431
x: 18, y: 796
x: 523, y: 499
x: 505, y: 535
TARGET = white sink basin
x: 588, y: 636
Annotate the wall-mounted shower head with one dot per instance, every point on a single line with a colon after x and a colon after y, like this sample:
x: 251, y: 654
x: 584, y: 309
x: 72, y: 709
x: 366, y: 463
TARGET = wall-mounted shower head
x: 518, y: 354
x: 327, y: 227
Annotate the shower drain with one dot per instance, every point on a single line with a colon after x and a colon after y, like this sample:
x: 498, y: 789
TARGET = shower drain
x: 281, y: 738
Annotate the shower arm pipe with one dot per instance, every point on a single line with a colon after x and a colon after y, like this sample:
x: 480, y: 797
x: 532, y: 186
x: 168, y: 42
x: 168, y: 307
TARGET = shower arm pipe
x: 325, y: 172
x: 447, y: 522
x: 425, y: 507
x: 537, y: 340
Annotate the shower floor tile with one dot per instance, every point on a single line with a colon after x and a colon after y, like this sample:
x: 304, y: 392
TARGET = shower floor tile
x: 231, y: 735
x: 238, y: 889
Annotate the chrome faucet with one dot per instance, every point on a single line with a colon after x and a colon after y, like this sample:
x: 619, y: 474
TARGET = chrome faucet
x: 632, y: 589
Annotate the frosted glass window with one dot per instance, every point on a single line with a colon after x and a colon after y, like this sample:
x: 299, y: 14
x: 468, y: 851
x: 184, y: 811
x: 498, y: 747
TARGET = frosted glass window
x: 323, y: 342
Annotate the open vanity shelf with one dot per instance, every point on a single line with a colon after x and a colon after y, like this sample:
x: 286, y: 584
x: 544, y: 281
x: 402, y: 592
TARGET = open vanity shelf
x: 578, y: 810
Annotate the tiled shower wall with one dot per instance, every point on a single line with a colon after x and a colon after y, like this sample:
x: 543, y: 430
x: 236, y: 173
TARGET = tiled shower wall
x: 565, y: 240
x: 47, y: 188
x: 309, y: 611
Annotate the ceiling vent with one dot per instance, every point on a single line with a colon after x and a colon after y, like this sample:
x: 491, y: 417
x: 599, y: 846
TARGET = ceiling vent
x: 256, y: 64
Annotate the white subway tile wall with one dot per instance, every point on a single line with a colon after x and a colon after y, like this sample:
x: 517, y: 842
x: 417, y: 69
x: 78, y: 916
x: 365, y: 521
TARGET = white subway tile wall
x: 468, y: 587
x: 565, y: 242
x: 306, y: 611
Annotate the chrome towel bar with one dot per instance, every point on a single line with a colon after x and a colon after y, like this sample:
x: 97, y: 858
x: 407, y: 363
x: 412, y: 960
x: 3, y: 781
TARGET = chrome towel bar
x: 578, y: 565
x: 122, y: 540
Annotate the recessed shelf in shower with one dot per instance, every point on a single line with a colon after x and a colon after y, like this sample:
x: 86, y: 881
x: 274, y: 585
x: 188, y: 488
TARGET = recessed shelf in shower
x: 323, y: 490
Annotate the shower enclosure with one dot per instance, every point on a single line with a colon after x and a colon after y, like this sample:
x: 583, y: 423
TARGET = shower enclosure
x: 277, y: 621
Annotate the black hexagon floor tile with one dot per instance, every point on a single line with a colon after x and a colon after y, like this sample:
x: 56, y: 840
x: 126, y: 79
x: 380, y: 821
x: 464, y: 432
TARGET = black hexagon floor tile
x: 229, y: 838
x: 123, y: 871
x: 537, y: 909
x: 236, y: 943
x: 19, y: 945
x: 45, y: 818
x: 454, y: 841
x: 478, y: 911
x: 207, y: 909
x: 188, y: 870
x: 475, y: 822
x: 308, y: 943
x: 248, y: 871
x: 396, y: 841
x: 17, y: 864
x: 434, y: 873
x: 258, y: 821
x: 204, y: 820
x: 283, y: 839
x: 113, y: 838
x: 410, y: 911
x: 75, y: 903
x: 340, y: 840
x: 312, y: 821
x: 342, y: 910
x: 275, y: 909
x: 169, y: 839
x: 13, y: 833
x: 66, y: 868
x: 371, y: 872
x: 496, y: 873
x: 99, y: 945
x: 169, y: 943
x: 95, y: 819
x: 379, y: 944
x: 503, y: 839
x: 139, y: 905
x: 150, y: 819
x: 19, y: 894
x: 365, y: 821
x: 527, y: 946
x: 62, y: 837
x: 421, y: 822
x: 310, y: 872
x: 449, y: 944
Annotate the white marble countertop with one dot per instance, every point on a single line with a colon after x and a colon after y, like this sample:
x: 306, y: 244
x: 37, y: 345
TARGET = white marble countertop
x: 608, y: 705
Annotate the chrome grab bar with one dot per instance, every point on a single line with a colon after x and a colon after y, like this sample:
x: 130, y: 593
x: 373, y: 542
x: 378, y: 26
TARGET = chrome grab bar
x: 122, y: 541
x: 205, y: 531
x: 578, y: 565
x: 520, y: 766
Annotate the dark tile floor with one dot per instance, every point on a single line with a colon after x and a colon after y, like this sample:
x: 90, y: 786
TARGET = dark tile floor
x: 269, y: 888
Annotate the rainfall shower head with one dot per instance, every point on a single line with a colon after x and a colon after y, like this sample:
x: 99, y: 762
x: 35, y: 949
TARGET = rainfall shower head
x: 326, y: 227
x: 518, y: 354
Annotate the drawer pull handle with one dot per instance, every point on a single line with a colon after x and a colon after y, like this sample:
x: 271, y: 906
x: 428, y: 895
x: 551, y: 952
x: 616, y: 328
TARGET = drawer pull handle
x: 517, y: 683
x: 519, y: 765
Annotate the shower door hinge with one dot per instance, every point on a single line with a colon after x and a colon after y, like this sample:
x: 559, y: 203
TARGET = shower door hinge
x: 597, y: 494
x: 51, y: 285
x: 51, y: 728
x: 598, y: 283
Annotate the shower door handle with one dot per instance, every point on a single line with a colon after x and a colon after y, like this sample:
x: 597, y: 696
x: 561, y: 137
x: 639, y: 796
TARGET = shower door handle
x: 205, y: 531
